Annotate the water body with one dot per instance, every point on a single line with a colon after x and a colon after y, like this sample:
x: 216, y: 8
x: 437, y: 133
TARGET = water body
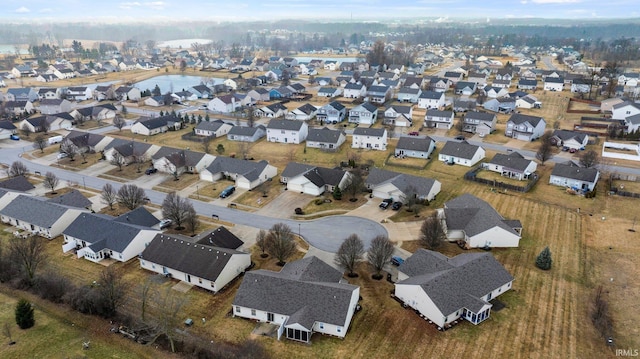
x: 11, y: 49
x: 175, y: 83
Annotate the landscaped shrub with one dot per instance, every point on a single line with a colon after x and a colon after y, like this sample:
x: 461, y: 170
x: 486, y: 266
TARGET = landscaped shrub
x: 24, y: 314
x: 543, y: 261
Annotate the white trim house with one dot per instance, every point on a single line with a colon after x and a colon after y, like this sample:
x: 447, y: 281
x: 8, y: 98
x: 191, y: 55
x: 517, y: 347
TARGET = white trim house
x: 369, y: 138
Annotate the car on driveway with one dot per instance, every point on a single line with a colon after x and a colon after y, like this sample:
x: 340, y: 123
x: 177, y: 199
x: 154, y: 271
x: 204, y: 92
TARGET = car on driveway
x: 227, y: 192
x: 386, y: 203
x: 150, y: 171
x: 396, y: 205
x: 15, y: 137
x: 165, y: 223
x: 396, y: 261
x: 414, y: 133
x: 459, y: 138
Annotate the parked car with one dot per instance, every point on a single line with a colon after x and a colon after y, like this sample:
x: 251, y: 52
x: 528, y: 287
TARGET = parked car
x: 62, y: 155
x: 15, y: 137
x: 396, y: 261
x: 396, y: 205
x: 165, y: 223
x: 150, y: 171
x: 227, y: 191
x: 414, y: 133
x: 572, y: 150
x: 386, y: 203
x: 460, y: 138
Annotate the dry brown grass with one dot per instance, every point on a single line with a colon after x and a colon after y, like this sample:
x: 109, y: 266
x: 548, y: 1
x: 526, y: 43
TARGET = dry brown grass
x: 259, y: 196
x: 318, y: 204
x: 127, y: 173
x: 171, y: 184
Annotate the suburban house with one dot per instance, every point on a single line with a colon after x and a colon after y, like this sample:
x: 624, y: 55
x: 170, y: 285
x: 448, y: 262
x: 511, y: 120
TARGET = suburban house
x: 621, y: 111
x: 49, y: 93
x: 479, y: 78
x: 38, y: 216
x: 528, y: 101
x: 332, y: 112
x: 87, y: 141
x: 354, y: 90
x: 246, y: 174
x: 570, y: 139
x: 18, y: 183
x: 453, y: 76
x: 157, y: 101
x: 527, y: 84
x: 79, y: 93
x: 495, y: 92
x: 553, y: 83
x: 417, y: 147
x: 462, y: 153
x: 129, y: 151
x: 500, y: 105
x: 287, y: 131
x: 155, y: 125
x: 481, y: 123
x: 21, y: 94
x: 224, y: 104
x: 7, y: 128
x: 313, y: 180
x: 128, y: 93
x: 364, y: 114
x: 465, y: 88
x: 632, y: 123
x: 205, y: 266
x: 575, y: 177
x: 220, y: 237
x: 473, y: 221
x: 525, y: 127
x: 202, y: 91
x: 439, y: 84
x: 409, y: 94
x: 325, y: 138
x: 51, y: 106
x: 97, y: 236
x: 275, y: 110
x: 398, y: 115
x: 305, y: 112
x: 176, y: 161
x: 369, y: 138
x: 246, y: 134
x: 379, y: 94
x: 329, y: 92
x: 399, y: 186
x: 215, y: 128
x: 512, y: 165
x: 445, y: 290
x: 438, y: 119
x: 18, y: 107
x: 307, y: 296
x: 431, y: 99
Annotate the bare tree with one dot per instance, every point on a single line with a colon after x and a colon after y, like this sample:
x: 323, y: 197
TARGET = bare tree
x: 191, y: 221
x: 117, y: 160
x: 6, y: 330
x: 354, y: 184
x: 131, y: 196
x: 51, y: 181
x: 349, y: 253
x: 69, y: 149
x: 589, y: 159
x: 459, y: 125
x: 167, y: 314
x: 600, y: 314
x: 206, y: 144
x: 410, y: 199
x: 17, y: 168
x: 139, y: 161
x: 119, y: 122
x: 261, y: 242
x: 112, y: 290
x: 432, y: 232
x: 280, y: 243
x: 40, y: 143
x: 45, y: 126
x: 379, y: 254
x: 109, y: 195
x: 26, y: 131
x: 29, y: 254
x: 545, y: 151
x: 243, y: 149
x: 176, y: 209
x: 251, y: 117
x: 145, y: 290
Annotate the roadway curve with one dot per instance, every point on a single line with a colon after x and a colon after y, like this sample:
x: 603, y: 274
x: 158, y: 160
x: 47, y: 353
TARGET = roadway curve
x: 326, y: 233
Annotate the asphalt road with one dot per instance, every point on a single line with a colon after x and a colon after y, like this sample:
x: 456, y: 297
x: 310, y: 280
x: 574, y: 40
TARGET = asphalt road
x: 326, y: 233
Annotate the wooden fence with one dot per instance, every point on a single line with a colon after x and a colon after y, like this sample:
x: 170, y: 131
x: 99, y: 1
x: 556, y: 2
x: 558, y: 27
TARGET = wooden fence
x: 472, y: 176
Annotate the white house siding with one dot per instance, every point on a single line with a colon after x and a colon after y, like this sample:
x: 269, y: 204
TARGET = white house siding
x: 286, y: 136
x: 412, y: 153
x: 461, y: 161
x: 339, y: 329
x: 388, y: 191
x: 56, y: 229
x: 416, y: 298
x: 531, y: 168
x: 303, y: 185
x: 494, y: 237
x: 370, y: 142
x: 569, y: 182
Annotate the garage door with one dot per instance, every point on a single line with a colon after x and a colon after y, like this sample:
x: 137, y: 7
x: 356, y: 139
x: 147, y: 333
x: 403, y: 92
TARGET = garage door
x: 523, y: 137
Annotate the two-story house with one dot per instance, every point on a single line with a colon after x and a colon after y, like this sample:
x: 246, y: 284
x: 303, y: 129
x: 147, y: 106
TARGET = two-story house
x: 287, y: 131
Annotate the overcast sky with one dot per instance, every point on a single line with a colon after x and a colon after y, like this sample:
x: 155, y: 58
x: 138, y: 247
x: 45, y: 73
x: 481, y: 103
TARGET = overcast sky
x: 113, y: 10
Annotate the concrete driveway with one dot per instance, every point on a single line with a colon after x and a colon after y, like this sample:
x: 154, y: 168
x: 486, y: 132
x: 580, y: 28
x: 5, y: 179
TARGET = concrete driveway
x: 285, y: 204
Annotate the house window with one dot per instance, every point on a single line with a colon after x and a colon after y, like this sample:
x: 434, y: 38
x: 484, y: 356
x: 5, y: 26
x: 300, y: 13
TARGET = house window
x: 253, y: 312
x: 199, y: 280
x: 237, y: 309
x: 321, y: 325
x: 339, y: 329
x: 213, y: 284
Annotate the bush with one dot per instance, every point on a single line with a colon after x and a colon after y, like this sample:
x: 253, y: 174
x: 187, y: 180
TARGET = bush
x: 590, y: 194
x: 299, y: 211
x: 543, y: 261
x: 53, y: 287
x: 318, y: 201
x: 24, y: 314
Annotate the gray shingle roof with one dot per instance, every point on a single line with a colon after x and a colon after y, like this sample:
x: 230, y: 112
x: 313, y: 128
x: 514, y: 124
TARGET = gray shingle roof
x: 18, y: 183
x: 458, y: 282
x: 245, y: 130
x: 514, y: 161
x: 573, y: 171
x: 566, y: 135
x: 285, y: 125
x: 220, y: 237
x: 73, y: 198
x: 414, y: 143
x: 7, y: 125
x: 294, y: 169
x: 401, y: 181
x: 482, y: 116
x: 518, y: 118
x: 210, y: 125
x: 324, y: 135
x: 308, y: 292
x: 139, y: 217
x: 459, y: 149
x: 199, y: 260
x: 473, y: 215
x: 248, y: 169
x: 34, y: 210
x: 321, y: 176
x: 103, y: 232
x: 437, y: 113
x: 363, y: 131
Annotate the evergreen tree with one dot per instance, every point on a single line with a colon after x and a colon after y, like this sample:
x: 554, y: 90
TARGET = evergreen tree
x: 24, y: 314
x: 337, y: 193
x: 543, y: 260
